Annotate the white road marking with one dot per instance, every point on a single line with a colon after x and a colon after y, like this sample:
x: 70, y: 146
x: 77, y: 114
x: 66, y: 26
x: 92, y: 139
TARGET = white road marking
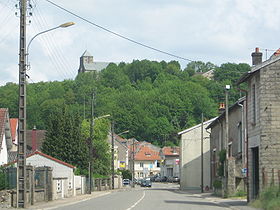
x: 137, y: 201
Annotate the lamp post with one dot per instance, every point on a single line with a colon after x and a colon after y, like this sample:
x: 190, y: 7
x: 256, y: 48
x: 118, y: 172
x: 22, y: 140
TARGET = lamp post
x: 226, y: 143
x: 91, y: 141
x: 23, y: 57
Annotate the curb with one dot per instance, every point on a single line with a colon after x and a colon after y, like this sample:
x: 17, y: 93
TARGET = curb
x: 213, y: 200
x: 65, y: 202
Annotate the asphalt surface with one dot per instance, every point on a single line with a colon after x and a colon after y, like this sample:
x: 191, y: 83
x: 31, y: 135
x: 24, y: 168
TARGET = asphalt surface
x: 160, y: 196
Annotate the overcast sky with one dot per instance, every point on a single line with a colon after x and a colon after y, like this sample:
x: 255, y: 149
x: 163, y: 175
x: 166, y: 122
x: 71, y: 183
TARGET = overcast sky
x: 218, y: 31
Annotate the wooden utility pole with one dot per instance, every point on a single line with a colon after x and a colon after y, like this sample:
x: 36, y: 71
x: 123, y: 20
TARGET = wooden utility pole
x: 21, y: 153
x: 113, y: 155
x: 133, y: 159
x: 90, y: 144
x: 202, y: 185
x: 226, y: 144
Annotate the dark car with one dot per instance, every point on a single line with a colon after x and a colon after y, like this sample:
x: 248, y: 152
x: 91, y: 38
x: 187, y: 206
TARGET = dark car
x: 163, y: 179
x: 146, y: 183
x: 126, y: 182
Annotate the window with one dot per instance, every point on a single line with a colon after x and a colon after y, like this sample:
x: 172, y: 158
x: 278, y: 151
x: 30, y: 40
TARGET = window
x: 240, y: 137
x: 70, y: 184
x: 141, y: 165
x: 58, y: 185
x: 158, y: 164
x: 254, y: 103
x: 230, y: 150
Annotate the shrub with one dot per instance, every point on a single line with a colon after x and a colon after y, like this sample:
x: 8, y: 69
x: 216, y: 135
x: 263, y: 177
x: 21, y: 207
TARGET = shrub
x: 3, y: 179
x: 217, y: 184
x: 269, y: 199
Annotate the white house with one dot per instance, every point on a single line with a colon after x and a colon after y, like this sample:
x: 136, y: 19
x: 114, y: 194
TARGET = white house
x: 190, y: 157
x: 169, y: 166
x: 5, y: 136
x: 146, y: 160
x: 62, y: 172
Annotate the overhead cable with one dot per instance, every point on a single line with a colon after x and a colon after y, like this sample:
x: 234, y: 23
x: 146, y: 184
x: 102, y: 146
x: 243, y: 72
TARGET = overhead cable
x: 117, y: 34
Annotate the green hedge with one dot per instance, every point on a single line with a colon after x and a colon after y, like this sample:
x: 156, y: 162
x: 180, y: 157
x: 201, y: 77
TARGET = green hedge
x: 269, y: 199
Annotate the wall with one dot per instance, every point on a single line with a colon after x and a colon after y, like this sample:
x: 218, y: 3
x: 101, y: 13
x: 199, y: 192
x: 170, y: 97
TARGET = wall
x: 146, y: 164
x: 4, y: 152
x: 190, y: 158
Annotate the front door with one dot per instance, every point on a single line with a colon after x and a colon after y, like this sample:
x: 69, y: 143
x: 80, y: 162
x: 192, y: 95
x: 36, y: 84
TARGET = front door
x: 255, y: 172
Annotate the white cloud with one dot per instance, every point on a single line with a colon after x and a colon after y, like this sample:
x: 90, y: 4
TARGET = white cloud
x: 218, y: 31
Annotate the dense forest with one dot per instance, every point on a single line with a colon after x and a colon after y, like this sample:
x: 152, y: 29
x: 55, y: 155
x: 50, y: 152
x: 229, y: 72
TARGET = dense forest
x: 153, y: 100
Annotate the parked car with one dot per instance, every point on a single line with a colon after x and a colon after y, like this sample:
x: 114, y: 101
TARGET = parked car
x: 163, y: 179
x: 126, y: 182
x: 158, y: 179
x: 176, y: 179
x: 173, y: 179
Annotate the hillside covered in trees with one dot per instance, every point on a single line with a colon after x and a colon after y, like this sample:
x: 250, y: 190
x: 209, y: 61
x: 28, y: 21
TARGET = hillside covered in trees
x: 154, y: 100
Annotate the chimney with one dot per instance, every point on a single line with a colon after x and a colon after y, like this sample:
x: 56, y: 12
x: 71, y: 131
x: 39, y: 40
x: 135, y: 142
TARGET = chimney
x: 222, y: 108
x: 34, y: 139
x: 256, y: 57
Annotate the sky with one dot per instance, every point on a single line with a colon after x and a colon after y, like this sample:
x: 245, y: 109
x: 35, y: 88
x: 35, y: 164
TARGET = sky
x: 217, y: 31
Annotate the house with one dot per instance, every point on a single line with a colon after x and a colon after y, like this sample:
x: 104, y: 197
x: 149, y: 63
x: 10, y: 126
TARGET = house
x: 14, y: 133
x: 190, y: 157
x: 88, y: 65
x: 236, y: 178
x: 120, y: 152
x: 169, y: 166
x: 122, y: 162
x: 35, y: 139
x: 62, y: 173
x: 146, y: 159
x: 5, y: 136
x: 263, y: 122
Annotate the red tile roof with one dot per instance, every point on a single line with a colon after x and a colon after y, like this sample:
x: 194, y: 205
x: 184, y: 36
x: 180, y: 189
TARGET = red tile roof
x: 13, y: 124
x: 277, y: 52
x: 145, y: 152
x: 46, y: 156
x: 171, y: 151
x: 3, y: 115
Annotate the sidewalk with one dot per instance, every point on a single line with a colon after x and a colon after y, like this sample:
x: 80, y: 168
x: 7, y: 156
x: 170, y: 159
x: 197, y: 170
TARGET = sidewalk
x: 68, y: 201
x: 234, y: 203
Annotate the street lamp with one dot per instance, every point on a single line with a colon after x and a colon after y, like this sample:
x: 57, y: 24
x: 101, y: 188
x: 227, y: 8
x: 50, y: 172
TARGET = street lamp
x: 226, y: 143
x: 90, y: 142
x: 64, y: 25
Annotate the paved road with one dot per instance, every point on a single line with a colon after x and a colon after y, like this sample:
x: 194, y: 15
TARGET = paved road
x: 160, y: 196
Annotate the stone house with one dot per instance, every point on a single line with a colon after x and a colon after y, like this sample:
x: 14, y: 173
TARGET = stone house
x: 5, y: 136
x: 169, y: 166
x: 236, y: 147
x: 190, y: 157
x: 263, y: 121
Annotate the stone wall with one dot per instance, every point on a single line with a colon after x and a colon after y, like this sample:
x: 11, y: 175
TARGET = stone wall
x: 270, y: 122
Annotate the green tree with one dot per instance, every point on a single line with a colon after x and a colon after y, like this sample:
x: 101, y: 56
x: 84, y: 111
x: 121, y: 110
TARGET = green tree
x: 101, y: 147
x: 63, y: 138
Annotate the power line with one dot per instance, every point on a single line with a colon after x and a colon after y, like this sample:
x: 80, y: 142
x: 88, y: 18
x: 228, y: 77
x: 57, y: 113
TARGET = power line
x: 117, y: 34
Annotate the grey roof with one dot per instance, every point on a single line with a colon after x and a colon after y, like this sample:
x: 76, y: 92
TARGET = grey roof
x: 256, y: 68
x: 196, y: 126
x: 86, y: 53
x: 95, y: 66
